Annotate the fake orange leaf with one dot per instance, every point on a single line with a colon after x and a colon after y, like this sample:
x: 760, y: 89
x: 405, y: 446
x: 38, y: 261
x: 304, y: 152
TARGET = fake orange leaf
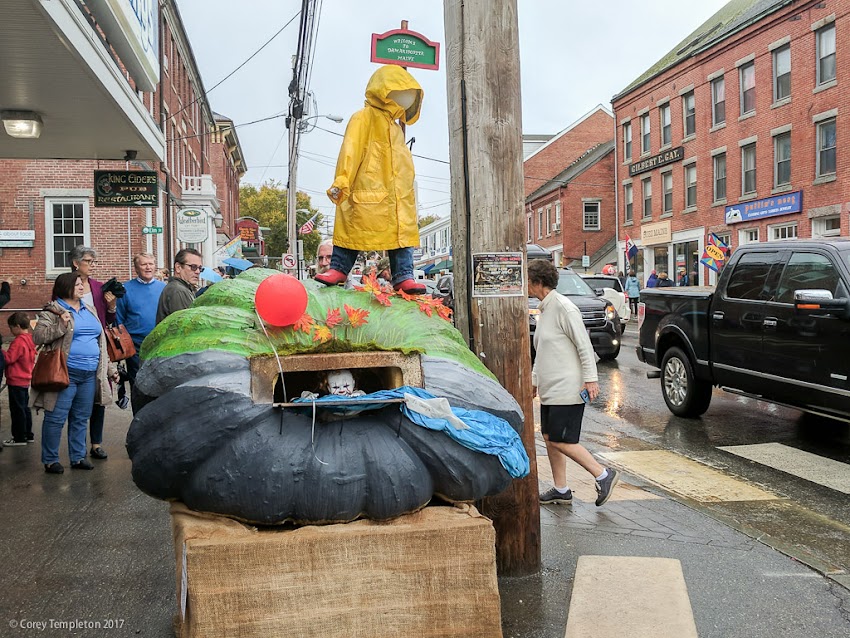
x: 444, y: 312
x: 304, y: 324
x: 370, y: 284
x: 334, y: 318
x: 428, y: 310
x: 407, y: 297
x: 384, y: 299
x: 356, y: 316
x: 323, y: 334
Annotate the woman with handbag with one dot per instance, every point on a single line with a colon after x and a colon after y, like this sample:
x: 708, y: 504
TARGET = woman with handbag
x: 73, y: 326
x: 83, y: 260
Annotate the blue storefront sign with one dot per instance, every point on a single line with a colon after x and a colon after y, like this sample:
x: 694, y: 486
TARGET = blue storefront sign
x: 768, y: 207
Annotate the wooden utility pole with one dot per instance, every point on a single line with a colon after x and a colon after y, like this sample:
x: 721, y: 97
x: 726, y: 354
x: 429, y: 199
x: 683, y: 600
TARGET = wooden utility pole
x: 485, y: 149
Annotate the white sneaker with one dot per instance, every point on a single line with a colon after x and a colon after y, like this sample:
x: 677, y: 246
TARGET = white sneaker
x: 14, y: 443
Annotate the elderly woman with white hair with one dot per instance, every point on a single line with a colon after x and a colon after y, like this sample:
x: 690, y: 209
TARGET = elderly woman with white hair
x: 83, y: 260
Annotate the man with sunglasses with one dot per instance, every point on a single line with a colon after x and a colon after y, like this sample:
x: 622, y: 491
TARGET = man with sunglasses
x: 179, y: 293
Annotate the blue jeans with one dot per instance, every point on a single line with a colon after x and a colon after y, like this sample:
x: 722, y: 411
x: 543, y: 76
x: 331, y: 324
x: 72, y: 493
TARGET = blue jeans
x: 74, y: 404
x: 401, y: 262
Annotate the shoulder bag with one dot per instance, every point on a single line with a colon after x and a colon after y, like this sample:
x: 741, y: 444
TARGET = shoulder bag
x: 50, y: 373
x: 119, y: 343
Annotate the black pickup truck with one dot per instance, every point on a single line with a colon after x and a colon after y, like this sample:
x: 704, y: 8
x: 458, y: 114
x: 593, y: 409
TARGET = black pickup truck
x: 776, y: 327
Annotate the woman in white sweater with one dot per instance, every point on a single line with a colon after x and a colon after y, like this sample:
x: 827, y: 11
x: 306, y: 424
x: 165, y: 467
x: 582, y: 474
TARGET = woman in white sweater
x: 564, y: 376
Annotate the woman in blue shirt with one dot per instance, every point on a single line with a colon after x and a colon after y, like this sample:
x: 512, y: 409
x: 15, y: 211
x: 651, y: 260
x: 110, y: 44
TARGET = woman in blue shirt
x: 70, y: 324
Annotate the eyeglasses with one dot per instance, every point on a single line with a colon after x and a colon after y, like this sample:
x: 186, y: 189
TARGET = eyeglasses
x: 88, y: 260
x: 192, y: 267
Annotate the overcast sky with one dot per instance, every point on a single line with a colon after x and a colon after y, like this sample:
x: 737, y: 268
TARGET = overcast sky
x: 574, y: 55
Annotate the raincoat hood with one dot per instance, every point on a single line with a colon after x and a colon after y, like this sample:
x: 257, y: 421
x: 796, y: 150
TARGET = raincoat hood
x: 394, y: 78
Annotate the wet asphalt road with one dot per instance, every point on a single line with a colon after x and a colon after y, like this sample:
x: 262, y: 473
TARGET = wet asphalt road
x: 631, y: 414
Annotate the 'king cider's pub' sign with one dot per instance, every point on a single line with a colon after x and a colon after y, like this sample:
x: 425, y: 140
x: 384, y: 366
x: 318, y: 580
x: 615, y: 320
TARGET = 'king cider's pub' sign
x: 126, y: 188
x: 405, y: 48
x: 662, y: 159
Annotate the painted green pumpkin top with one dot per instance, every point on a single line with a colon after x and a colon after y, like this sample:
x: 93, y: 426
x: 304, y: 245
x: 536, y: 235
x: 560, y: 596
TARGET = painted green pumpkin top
x: 224, y: 318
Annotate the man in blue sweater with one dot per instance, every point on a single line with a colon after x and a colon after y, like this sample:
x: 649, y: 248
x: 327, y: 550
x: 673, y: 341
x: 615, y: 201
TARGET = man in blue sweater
x: 137, y: 311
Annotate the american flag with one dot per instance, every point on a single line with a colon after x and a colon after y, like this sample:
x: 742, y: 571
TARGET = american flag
x: 308, y: 226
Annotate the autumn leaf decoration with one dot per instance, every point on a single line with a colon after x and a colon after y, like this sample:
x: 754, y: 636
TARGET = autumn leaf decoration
x: 356, y: 316
x: 427, y: 303
x: 323, y: 331
x: 381, y: 293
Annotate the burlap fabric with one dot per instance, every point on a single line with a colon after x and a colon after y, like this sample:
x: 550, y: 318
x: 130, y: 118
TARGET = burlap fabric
x: 431, y: 573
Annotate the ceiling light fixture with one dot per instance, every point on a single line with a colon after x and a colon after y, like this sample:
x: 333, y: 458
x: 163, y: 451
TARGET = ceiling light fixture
x: 22, y: 124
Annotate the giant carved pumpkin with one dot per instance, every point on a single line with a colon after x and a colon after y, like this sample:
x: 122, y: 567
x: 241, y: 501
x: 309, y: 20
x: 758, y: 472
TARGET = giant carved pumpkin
x: 204, y: 437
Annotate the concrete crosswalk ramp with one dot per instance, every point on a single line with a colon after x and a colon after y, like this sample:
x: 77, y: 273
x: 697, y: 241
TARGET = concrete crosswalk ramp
x: 805, y: 465
x: 639, y: 597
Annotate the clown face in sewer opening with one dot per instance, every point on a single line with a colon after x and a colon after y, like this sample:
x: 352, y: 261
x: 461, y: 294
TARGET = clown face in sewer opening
x: 373, y: 188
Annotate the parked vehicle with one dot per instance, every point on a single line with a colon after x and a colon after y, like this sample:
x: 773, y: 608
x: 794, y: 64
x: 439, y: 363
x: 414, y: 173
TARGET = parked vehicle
x: 612, y: 290
x: 776, y: 328
x: 599, y: 315
x: 445, y: 290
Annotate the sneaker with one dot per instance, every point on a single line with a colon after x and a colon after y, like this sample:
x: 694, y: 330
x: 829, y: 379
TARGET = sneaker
x: 30, y: 438
x: 554, y: 496
x: 123, y: 402
x: 13, y: 443
x: 606, y: 486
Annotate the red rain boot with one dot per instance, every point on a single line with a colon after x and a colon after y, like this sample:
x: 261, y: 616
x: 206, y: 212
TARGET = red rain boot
x: 331, y: 277
x: 411, y: 287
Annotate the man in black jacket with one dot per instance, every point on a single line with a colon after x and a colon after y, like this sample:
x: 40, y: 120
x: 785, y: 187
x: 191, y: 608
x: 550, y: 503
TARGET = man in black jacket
x: 179, y: 293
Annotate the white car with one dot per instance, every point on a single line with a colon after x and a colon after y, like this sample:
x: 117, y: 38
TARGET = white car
x: 613, y: 291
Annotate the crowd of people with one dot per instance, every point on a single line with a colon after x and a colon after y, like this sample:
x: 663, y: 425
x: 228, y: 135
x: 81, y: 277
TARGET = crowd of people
x: 77, y: 321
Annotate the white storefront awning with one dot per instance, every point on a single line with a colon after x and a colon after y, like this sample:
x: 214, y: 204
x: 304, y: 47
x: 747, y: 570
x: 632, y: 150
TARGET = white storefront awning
x: 53, y: 63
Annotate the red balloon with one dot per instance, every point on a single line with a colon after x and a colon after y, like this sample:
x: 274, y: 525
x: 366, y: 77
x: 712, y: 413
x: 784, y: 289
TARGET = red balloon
x: 281, y: 300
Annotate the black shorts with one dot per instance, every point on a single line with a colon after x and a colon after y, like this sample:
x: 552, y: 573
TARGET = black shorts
x: 562, y: 423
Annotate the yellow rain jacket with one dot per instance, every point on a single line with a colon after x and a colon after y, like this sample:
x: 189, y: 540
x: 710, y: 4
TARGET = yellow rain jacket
x: 376, y: 207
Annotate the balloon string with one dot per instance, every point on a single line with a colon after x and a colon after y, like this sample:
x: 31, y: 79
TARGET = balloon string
x: 276, y: 355
x: 313, y: 435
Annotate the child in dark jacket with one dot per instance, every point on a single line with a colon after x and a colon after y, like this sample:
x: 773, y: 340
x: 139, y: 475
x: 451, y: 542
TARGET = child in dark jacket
x: 20, y: 360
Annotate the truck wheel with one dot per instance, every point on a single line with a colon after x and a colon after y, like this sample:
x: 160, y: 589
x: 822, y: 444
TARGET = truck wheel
x: 684, y: 394
x: 610, y: 356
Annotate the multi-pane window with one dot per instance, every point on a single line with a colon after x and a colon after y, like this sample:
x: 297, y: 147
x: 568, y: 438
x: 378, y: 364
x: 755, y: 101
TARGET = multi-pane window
x: 529, y: 230
x: 646, y: 188
x: 748, y: 169
x: 782, y: 159
x: 718, y: 101
x: 67, y: 229
x: 689, y: 113
x: 748, y: 87
x: 719, y: 177
x: 826, y: 54
x: 628, y: 195
x: 548, y: 220
x: 782, y: 73
x: 667, y: 184
x: 690, y: 186
x: 539, y: 223
x: 826, y: 148
x: 666, y: 136
x: 627, y: 140
x: 748, y: 236
x: 591, y: 216
x: 558, y: 215
x: 644, y: 134
x: 826, y: 227
x: 785, y: 231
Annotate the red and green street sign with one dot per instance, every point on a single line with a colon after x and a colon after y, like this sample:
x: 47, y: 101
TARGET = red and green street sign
x: 405, y: 48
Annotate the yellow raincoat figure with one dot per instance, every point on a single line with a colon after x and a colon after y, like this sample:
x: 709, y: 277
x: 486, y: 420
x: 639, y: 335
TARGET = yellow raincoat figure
x: 373, y: 187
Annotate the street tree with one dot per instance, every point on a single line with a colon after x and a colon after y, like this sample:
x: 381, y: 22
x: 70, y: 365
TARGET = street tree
x: 427, y: 219
x: 267, y: 204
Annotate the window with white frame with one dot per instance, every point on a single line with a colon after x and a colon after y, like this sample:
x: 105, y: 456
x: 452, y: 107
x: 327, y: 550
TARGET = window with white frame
x: 691, y: 186
x: 748, y: 169
x: 826, y: 227
x: 719, y: 177
x: 826, y: 148
x: 667, y: 187
x: 826, y: 54
x: 645, y: 140
x: 646, y: 189
x: 67, y: 225
x: 548, y: 220
x: 539, y: 223
x: 718, y: 101
x: 782, y: 73
x: 666, y: 133
x: 748, y: 236
x: 784, y: 231
x: 689, y: 113
x: 591, y: 216
x: 782, y: 159
x: 558, y: 214
x: 530, y: 229
x: 628, y: 195
x: 627, y: 140
x: 747, y: 76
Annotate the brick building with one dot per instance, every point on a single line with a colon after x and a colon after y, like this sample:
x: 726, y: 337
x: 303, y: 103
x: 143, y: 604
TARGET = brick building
x: 569, y: 192
x: 734, y: 133
x: 202, y: 165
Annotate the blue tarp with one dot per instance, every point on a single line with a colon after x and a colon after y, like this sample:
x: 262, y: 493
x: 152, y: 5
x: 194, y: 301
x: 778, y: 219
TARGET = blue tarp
x: 486, y: 433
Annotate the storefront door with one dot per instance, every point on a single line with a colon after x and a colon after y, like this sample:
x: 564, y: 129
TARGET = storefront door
x: 687, y: 263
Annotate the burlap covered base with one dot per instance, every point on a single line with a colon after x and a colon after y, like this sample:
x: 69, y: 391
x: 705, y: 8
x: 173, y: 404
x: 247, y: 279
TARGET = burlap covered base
x: 432, y: 573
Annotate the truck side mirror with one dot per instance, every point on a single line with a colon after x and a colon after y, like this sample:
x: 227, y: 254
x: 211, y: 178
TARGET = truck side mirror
x: 816, y: 301
x: 599, y: 292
